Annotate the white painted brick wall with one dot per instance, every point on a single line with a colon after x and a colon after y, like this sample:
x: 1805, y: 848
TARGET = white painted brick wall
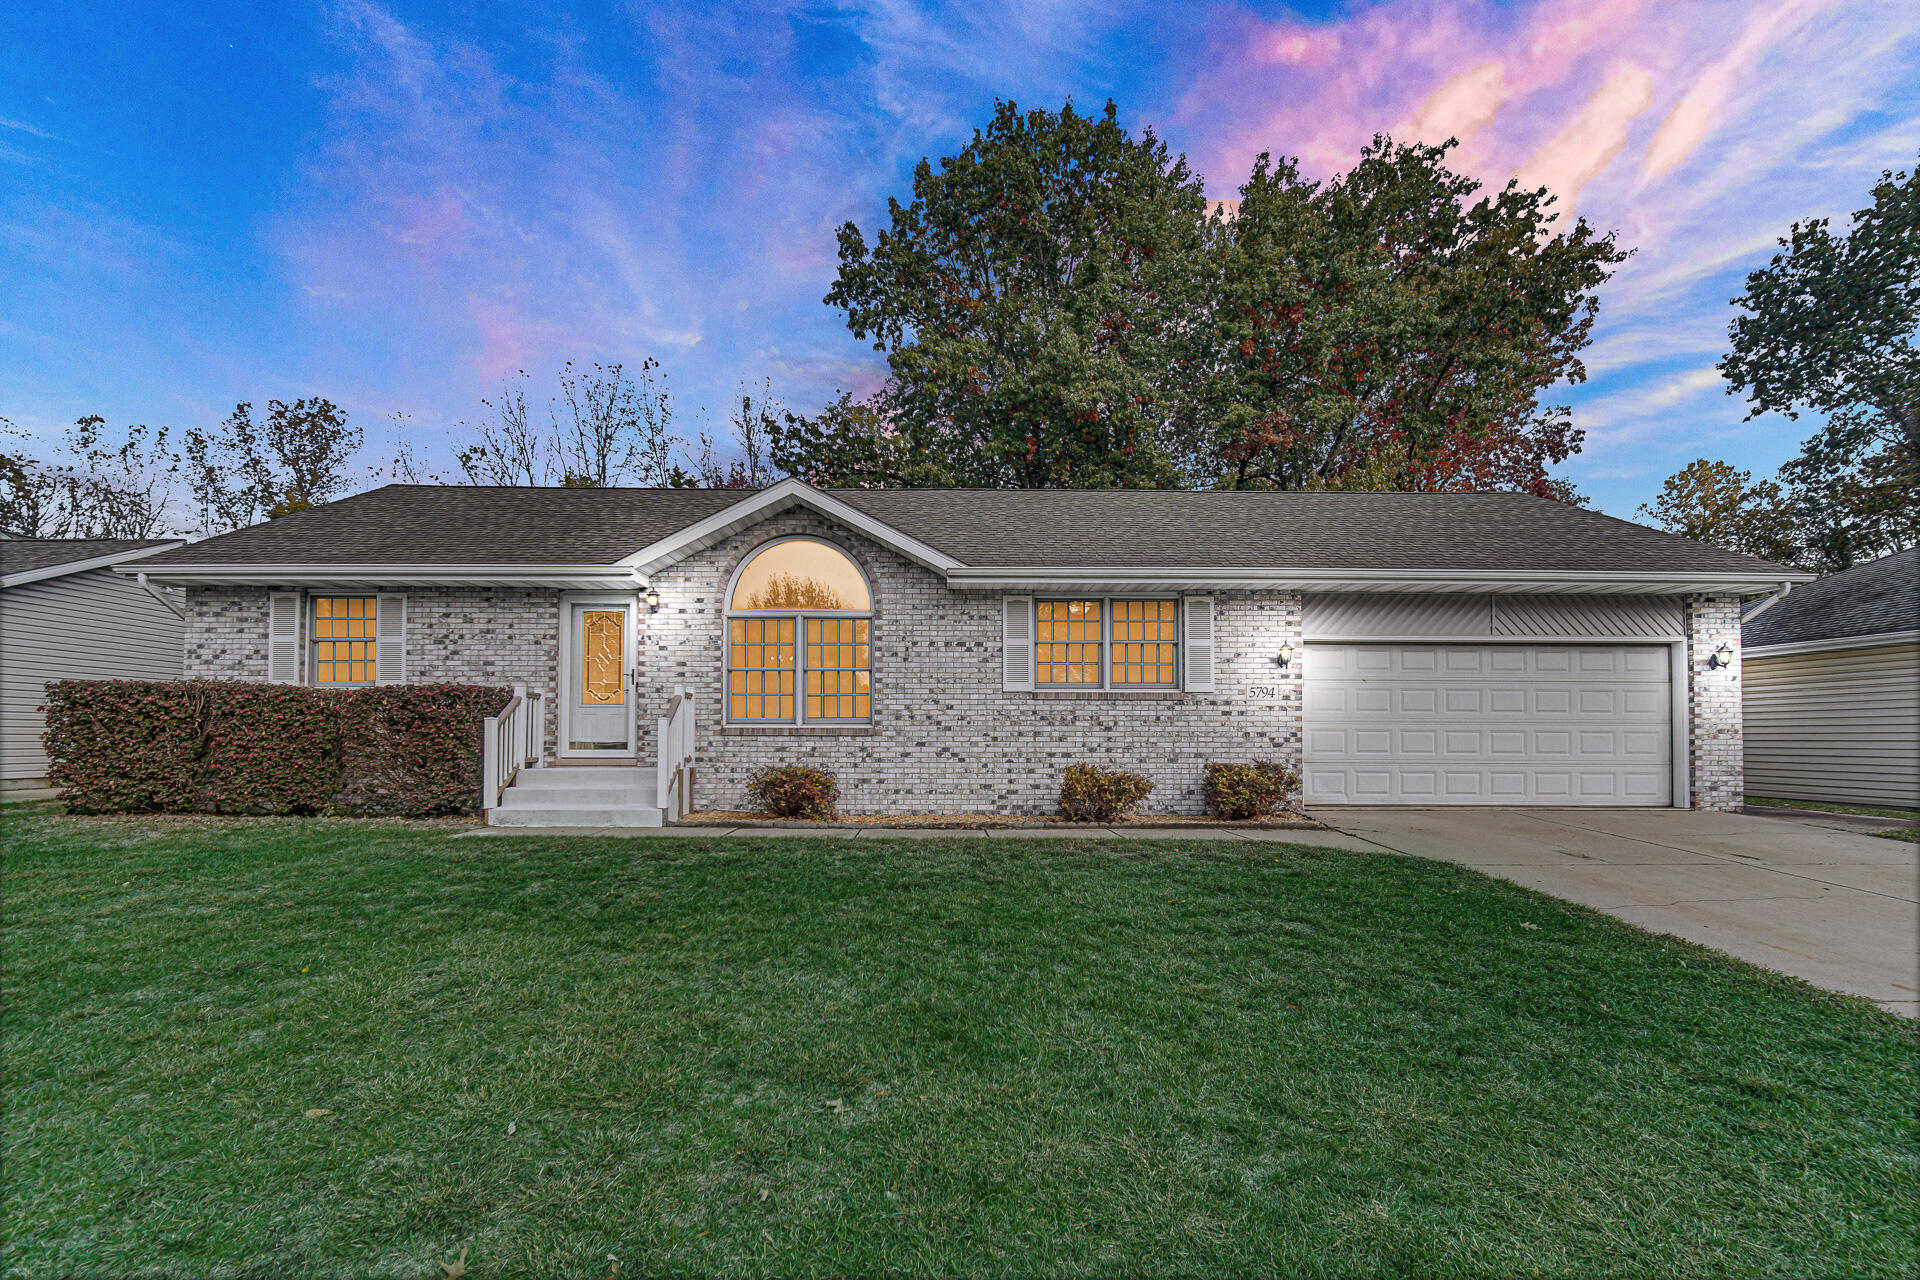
x: 945, y: 737
x: 1713, y: 699
x: 455, y: 635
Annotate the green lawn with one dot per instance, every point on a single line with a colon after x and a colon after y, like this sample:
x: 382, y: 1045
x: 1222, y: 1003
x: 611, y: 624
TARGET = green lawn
x: 323, y: 1048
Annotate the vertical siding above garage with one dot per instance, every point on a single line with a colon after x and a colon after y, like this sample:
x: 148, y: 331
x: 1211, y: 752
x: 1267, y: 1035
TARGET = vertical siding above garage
x: 1841, y: 726
x: 94, y: 626
x: 1434, y: 617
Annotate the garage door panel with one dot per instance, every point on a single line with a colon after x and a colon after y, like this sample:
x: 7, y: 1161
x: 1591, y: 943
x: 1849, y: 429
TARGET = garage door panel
x: 1646, y: 702
x: 1507, y: 701
x: 1488, y: 724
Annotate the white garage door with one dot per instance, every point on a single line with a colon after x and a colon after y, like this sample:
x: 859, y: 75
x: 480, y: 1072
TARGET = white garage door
x: 1488, y: 724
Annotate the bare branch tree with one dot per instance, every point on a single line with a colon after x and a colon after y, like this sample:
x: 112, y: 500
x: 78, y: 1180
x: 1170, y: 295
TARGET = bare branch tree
x: 96, y: 490
x: 296, y: 459
x: 510, y: 451
x: 607, y: 427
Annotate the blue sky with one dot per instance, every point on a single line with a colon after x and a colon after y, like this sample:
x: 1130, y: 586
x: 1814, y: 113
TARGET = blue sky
x: 397, y: 205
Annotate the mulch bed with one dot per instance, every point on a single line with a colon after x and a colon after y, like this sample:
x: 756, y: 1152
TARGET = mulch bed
x: 988, y: 821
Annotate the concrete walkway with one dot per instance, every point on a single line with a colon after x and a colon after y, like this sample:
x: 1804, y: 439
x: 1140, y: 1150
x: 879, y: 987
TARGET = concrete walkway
x: 1812, y: 897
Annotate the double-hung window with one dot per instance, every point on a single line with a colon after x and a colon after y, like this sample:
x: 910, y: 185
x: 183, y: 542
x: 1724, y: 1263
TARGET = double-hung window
x: 1106, y: 644
x: 799, y: 638
x: 342, y: 635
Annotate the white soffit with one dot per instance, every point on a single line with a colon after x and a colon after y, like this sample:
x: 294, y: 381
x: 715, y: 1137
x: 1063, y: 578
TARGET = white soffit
x: 1359, y: 581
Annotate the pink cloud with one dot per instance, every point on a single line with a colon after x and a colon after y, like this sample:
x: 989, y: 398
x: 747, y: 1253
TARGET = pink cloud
x: 1553, y: 92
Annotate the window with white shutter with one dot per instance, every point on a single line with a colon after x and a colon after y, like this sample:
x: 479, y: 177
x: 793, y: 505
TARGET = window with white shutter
x: 283, y: 637
x: 1198, y: 615
x: 390, y: 641
x: 1016, y: 643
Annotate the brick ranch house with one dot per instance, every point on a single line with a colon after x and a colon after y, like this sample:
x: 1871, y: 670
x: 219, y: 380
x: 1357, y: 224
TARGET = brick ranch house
x: 955, y: 650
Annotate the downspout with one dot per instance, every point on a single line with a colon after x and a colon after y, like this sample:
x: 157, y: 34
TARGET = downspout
x: 159, y: 593
x: 1766, y: 604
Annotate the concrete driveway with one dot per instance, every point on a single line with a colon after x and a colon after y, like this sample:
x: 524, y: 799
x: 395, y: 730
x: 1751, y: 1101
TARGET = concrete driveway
x: 1820, y: 900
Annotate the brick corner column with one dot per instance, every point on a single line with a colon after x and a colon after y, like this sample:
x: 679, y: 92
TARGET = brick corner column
x: 1717, y: 769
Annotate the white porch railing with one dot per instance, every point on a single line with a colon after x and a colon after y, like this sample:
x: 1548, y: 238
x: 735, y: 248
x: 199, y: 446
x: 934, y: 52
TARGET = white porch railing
x: 509, y: 742
x: 675, y: 787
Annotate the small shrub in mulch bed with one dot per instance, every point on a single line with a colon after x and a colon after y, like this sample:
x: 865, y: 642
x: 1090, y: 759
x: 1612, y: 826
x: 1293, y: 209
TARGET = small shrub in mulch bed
x: 1236, y: 792
x: 1089, y: 793
x: 794, y: 791
x: 219, y: 746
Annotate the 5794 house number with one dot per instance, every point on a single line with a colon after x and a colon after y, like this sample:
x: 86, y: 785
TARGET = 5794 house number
x: 1264, y: 692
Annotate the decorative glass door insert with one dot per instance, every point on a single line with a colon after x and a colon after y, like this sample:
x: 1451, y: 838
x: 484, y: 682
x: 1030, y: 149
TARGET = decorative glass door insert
x: 599, y: 707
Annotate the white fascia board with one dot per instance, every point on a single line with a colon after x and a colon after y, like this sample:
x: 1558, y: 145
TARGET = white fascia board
x: 81, y: 566
x: 1502, y: 581
x: 769, y: 502
x: 580, y: 576
x: 1881, y: 640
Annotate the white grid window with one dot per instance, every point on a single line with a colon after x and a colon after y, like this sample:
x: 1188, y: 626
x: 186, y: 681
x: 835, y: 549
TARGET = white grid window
x: 1106, y: 644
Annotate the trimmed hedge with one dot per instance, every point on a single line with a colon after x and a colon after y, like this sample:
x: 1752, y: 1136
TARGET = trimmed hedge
x: 1238, y: 791
x: 794, y: 791
x: 206, y: 746
x: 1089, y: 793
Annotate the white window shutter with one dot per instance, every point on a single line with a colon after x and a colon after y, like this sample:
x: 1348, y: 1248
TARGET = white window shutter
x: 1197, y: 611
x: 283, y: 637
x: 1016, y: 643
x: 390, y: 640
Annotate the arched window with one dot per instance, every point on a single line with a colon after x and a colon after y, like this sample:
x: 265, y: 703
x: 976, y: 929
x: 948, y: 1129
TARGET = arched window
x: 799, y: 637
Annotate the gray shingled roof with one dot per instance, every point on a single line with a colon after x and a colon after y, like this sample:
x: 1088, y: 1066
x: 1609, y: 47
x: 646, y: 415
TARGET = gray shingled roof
x: 24, y: 555
x: 1041, y: 528
x: 460, y: 524
x: 1265, y: 529
x: 1868, y: 599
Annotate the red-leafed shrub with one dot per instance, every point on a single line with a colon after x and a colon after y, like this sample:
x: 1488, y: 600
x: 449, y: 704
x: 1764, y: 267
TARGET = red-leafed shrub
x: 1089, y: 793
x: 794, y: 791
x: 1237, y: 791
x: 186, y: 746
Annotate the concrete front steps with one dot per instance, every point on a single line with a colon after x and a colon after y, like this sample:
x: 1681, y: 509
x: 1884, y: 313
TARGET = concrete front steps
x: 586, y: 796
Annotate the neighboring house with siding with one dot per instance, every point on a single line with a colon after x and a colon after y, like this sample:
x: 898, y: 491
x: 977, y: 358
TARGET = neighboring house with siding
x: 65, y: 614
x: 955, y: 650
x: 1832, y: 698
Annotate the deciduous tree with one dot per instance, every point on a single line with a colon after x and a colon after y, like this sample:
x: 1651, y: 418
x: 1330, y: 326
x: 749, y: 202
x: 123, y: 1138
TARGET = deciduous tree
x: 859, y: 444
x: 93, y: 487
x: 1719, y: 504
x: 1028, y: 300
x: 297, y: 457
x: 1386, y: 328
x: 607, y: 427
x: 1829, y: 326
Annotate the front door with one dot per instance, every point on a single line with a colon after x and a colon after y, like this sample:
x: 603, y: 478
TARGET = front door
x: 597, y: 702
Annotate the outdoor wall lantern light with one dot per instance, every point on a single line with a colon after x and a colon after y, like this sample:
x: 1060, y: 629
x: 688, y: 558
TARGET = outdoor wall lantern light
x: 653, y: 600
x: 1285, y: 655
x: 1721, y: 657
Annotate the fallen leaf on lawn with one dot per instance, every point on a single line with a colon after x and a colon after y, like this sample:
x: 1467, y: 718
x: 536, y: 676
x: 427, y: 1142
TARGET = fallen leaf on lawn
x: 511, y: 1126
x: 837, y: 1105
x: 1528, y: 924
x: 764, y: 1193
x: 456, y: 1268
x: 314, y: 1113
